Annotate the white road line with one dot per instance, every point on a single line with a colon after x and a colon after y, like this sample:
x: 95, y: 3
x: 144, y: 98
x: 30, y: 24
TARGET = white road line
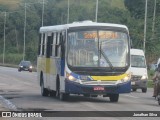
x: 7, y: 104
x: 3, y: 84
x: 131, y: 96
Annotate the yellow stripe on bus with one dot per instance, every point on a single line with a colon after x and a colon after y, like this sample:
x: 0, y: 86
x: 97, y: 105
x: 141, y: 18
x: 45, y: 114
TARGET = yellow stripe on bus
x: 47, y: 65
x: 119, y: 77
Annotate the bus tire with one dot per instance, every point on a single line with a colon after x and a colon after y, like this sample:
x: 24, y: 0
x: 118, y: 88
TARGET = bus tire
x: 44, y: 91
x: 57, y: 86
x: 52, y: 93
x: 114, y: 97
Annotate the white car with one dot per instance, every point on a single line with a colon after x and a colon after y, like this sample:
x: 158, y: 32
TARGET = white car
x: 138, y: 70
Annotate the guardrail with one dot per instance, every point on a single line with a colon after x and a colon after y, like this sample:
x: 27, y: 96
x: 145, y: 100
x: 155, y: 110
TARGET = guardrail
x: 16, y: 66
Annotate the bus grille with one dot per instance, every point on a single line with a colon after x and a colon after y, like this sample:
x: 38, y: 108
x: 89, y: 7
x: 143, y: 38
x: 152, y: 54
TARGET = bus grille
x: 98, y: 82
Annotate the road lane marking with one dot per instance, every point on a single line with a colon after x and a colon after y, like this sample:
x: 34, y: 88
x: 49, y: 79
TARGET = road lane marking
x: 131, y: 96
x: 7, y: 103
x: 3, y: 84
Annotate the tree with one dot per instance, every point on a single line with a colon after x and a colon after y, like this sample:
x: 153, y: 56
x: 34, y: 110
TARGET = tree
x: 136, y: 8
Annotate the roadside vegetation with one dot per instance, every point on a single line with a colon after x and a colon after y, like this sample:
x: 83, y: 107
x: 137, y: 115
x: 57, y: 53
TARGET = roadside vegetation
x: 128, y: 12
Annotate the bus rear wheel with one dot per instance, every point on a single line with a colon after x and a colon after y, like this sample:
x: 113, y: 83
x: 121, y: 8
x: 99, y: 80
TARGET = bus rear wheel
x: 53, y: 93
x: 57, y: 87
x: 44, y: 91
x: 114, y: 97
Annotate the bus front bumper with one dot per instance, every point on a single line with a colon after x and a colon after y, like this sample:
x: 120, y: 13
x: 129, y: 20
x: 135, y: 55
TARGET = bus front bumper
x: 77, y: 88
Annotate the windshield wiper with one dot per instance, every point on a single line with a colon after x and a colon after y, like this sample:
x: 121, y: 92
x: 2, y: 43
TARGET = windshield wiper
x: 105, y: 57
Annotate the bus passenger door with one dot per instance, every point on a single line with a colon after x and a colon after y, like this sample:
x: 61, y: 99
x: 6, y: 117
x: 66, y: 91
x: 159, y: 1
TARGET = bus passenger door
x: 48, y: 59
x: 53, y: 60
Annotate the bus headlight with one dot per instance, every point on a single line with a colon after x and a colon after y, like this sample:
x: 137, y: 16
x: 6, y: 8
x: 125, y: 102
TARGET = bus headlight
x: 144, y: 77
x: 71, y: 78
x: 125, y: 79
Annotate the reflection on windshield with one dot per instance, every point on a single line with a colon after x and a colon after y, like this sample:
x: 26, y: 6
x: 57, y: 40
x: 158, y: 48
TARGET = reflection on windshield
x: 84, y: 49
x: 138, y: 61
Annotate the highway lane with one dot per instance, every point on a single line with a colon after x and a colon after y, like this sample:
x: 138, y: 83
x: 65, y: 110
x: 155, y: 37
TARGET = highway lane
x: 23, y: 93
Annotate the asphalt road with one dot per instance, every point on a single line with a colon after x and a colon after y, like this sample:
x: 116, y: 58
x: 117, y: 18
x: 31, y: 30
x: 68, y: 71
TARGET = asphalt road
x: 20, y: 91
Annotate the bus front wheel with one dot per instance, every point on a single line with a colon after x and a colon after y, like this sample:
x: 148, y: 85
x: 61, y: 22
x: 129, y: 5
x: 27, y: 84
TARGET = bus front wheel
x: 114, y: 97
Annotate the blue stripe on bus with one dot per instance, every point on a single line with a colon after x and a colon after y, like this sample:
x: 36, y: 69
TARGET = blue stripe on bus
x: 62, y: 67
x: 81, y: 77
x: 125, y: 88
x: 75, y: 75
x: 76, y: 88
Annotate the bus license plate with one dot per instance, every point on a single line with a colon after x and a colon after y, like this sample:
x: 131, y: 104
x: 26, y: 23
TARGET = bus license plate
x: 98, y: 88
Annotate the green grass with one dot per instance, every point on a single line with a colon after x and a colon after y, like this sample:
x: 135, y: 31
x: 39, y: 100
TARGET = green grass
x: 150, y: 84
x: 11, y: 58
x: 150, y: 75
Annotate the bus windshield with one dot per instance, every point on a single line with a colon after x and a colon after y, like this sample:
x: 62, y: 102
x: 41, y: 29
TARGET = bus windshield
x: 97, y: 48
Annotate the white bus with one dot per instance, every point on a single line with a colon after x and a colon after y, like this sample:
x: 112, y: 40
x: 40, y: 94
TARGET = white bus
x: 84, y: 58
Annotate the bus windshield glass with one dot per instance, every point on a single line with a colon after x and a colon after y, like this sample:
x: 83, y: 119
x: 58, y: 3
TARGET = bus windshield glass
x: 98, y: 48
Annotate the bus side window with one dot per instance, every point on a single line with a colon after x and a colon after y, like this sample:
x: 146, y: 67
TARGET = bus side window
x: 54, y: 44
x: 51, y: 44
x: 57, y: 45
x: 48, y: 45
x: 62, y: 42
x: 43, y: 44
x: 40, y: 44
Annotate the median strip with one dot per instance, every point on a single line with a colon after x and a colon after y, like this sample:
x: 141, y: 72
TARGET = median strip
x: 9, y: 105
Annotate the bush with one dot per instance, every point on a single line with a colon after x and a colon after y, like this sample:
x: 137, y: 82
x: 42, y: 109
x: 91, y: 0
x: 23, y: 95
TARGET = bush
x: 11, y: 58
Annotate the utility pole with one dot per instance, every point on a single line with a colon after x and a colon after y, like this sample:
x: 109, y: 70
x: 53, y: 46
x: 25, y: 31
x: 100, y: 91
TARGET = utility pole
x: 4, y: 47
x: 24, y: 47
x: 42, y: 11
x: 17, y: 40
x: 96, y: 11
x: 68, y: 13
x: 145, y: 22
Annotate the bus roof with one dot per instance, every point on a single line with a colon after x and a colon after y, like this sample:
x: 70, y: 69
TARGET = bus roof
x: 78, y: 24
